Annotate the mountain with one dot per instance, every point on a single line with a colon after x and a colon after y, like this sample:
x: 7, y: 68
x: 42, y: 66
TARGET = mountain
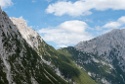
x: 60, y: 63
x: 102, y: 57
x: 19, y: 62
x: 108, y: 46
x: 25, y: 58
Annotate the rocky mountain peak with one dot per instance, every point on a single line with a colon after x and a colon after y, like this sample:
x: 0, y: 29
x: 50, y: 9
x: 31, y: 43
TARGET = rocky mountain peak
x: 31, y: 36
x: 104, y: 43
x: 109, y: 46
x: 19, y: 62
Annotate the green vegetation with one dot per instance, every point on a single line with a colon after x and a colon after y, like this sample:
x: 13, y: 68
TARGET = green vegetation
x: 25, y: 65
x: 99, y: 69
x: 65, y: 63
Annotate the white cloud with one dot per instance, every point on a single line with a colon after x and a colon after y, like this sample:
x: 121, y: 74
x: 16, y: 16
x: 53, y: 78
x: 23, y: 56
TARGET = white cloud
x: 116, y: 24
x: 74, y: 26
x: 67, y: 33
x: 84, y: 7
x: 68, y: 7
x: 112, y: 25
x: 5, y: 3
x: 122, y: 20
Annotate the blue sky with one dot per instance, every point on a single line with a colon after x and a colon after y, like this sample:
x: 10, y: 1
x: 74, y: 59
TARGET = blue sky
x: 66, y: 22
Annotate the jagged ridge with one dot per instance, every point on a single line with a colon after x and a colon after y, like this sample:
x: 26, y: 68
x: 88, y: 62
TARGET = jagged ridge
x: 107, y: 49
x: 19, y: 62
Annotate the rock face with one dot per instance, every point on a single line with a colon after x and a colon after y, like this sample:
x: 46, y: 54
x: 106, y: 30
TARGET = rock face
x: 19, y: 62
x: 105, y: 45
x: 25, y: 58
x: 31, y: 36
x: 107, y: 50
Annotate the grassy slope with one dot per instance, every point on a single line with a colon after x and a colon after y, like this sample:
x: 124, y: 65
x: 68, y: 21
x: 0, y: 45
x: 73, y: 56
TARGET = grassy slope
x: 66, y: 65
x: 102, y: 71
x: 83, y: 77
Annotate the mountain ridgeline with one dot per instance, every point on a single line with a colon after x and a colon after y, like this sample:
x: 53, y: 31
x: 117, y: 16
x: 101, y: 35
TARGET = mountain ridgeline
x: 19, y: 62
x: 102, y: 57
x: 107, y: 52
x: 25, y: 58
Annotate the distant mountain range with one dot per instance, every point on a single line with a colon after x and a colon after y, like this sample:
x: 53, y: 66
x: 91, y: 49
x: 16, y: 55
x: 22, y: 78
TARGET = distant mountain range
x: 25, y: 58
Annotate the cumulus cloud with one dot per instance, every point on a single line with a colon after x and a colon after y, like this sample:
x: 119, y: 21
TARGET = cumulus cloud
x: 112, y: 25
x: 84, y: 7
x: 116, y: 24
x: 67, y: 33
x: 5, y: 3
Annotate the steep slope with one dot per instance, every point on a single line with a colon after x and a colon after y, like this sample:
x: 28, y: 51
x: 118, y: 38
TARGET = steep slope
x: 107, y: 46
x: 31, y: 36
x: 62, y: 64
x: 99, y: 69
x: 19, y: 63
x: 102, y: 57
